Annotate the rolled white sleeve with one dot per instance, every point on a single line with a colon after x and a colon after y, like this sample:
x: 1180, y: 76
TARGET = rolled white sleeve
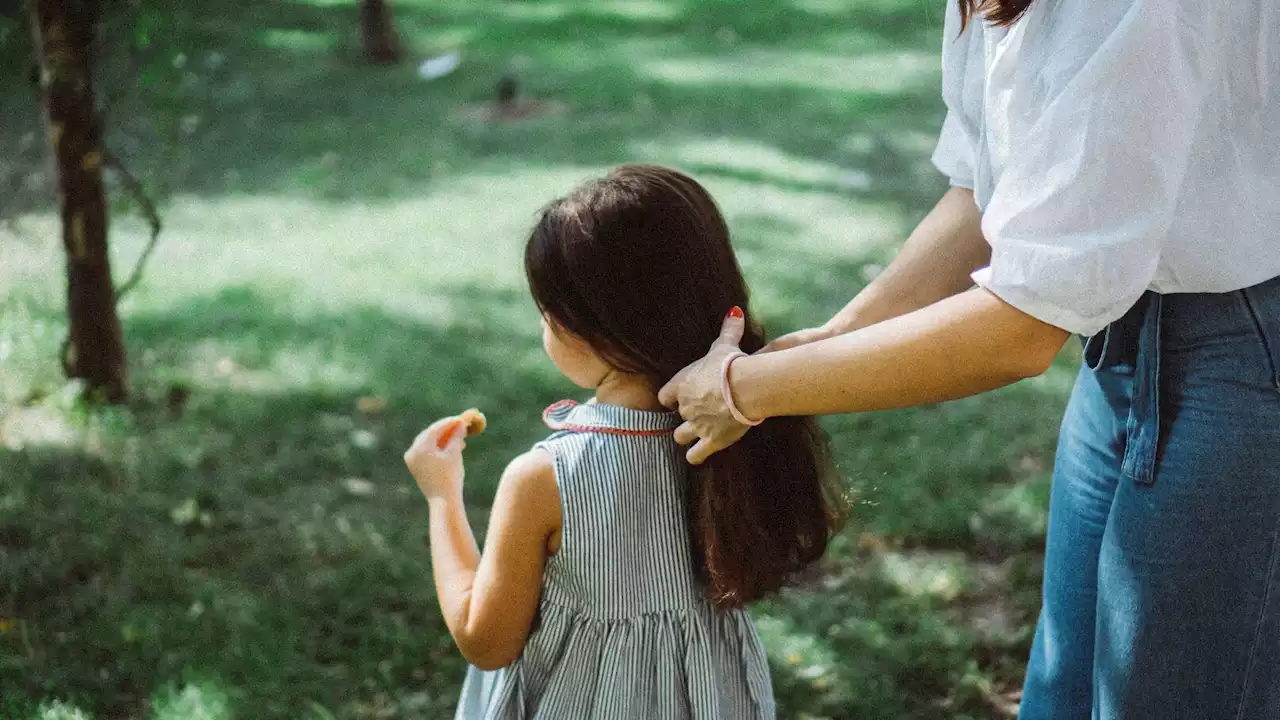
x: 962, y: 71
x: 954, y: 156
x: 1080, y: 212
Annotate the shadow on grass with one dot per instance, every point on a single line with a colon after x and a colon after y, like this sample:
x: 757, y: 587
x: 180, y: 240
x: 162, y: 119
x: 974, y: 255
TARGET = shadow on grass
x: 270, y: 98
x: 231, y: 541
x: 228, y: 542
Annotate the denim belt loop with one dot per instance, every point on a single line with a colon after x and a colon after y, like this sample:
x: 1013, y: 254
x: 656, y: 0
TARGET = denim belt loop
x: 1143, y: 430
x: 1096, y: 347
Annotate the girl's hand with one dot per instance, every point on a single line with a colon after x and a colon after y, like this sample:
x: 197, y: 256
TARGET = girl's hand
x: 437, y: 469
x: 695, y: 391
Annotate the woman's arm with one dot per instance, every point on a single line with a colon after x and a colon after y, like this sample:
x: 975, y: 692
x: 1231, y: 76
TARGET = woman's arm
x: 959, y: 346
x: 935, y: 263
x: 488, y: 601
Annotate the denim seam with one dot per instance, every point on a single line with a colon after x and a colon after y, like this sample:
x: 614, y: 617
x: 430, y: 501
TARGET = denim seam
x: 1143, y: 431
x: 1261, y: 329
x: 1257, y: 632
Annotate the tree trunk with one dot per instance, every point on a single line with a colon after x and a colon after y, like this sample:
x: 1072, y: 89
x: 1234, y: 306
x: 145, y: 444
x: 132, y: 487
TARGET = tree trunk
x: 378, y: 32
x: 64, y: 37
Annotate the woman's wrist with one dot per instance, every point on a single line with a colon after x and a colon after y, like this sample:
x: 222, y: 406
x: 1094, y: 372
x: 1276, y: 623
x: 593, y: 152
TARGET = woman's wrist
x: 853, y: 316
x: 742, y: 385
x: 726, y: 391
x: 840, y: 324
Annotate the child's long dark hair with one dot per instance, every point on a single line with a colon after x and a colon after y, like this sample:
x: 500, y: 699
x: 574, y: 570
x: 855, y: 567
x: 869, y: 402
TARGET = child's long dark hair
x: 639, y: 265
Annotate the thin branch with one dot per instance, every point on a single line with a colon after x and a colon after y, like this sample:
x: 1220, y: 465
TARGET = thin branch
x: 148, y: 209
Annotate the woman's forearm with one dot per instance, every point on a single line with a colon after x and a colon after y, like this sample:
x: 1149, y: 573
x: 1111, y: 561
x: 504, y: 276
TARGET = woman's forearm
x: 934, y: 263
x: 960, y: 346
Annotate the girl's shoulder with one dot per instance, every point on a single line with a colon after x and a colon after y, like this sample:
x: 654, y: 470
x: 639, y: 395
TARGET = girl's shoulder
x: 529, y: 482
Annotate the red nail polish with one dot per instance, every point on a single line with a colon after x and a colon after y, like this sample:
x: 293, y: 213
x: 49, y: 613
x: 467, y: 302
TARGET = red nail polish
x: 735, y: 312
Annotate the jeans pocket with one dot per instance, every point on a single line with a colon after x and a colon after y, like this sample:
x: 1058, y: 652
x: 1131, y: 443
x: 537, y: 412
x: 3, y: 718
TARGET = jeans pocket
x: 1268, y: 335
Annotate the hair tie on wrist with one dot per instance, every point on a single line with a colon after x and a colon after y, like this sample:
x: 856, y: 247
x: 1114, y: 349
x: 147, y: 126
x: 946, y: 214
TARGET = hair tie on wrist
x: 728, y: 396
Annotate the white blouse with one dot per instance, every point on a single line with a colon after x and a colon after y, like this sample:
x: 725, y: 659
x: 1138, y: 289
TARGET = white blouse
x: 1116, y: 146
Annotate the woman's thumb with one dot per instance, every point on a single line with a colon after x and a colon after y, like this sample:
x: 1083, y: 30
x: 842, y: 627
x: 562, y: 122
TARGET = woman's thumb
x: 735, y: 323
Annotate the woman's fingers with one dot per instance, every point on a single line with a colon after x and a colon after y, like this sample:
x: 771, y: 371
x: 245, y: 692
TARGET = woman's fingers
x: 730, y: 337
x: 735, y: 323
x: 695, y: 391
x: 669, y: 395
x: 702, y: 450
x: 685, y: 434
x: 795, y: 339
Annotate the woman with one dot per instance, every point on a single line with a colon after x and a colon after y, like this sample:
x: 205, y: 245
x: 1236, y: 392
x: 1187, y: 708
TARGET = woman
x: 1116, y: 167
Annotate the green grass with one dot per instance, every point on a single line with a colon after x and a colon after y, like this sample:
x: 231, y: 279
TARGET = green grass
x: 335, y: 231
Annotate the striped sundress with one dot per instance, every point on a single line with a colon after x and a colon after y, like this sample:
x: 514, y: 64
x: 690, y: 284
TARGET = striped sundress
x: 623, y: 631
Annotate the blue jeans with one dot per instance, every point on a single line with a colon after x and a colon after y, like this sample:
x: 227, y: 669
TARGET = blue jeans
x: 1162, y: 585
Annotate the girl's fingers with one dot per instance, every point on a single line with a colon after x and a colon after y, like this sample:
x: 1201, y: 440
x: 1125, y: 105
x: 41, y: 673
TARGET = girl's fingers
x: 437, y: 436
x: 449, y: 432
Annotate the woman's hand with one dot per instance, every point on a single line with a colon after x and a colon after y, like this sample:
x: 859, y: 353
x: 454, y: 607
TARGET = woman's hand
x: 696, y: 393
x: 435, y: 459
x: 800, y: 337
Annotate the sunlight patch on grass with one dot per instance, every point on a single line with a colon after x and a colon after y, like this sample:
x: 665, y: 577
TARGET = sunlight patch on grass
x: 203, y: 700
x: 299, y: 41
x: 842, y: 7
x: 395, y: 255
x: 294, y: 368
x: 822, y: 7
x: 876, y: 73
x: 58, y: 710
x: 944, y: 575
x: 30, y: 247
x: 790, y: 646
x: 258, y: 368
x: 38, y: 427
x: 29, y: 344
x: 426, y: 39
x: 825, y: 223
x: 539, y: 11
x: 638, y: 9
x: 755, y: 158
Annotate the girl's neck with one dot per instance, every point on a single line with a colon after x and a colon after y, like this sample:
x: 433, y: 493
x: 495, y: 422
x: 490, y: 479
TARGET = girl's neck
x: 628, y: 391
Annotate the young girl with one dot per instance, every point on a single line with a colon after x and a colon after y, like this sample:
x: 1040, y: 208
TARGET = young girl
x: 615, y: 574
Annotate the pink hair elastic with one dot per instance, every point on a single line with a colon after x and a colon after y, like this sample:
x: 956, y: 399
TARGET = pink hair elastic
x: 728, y: 396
